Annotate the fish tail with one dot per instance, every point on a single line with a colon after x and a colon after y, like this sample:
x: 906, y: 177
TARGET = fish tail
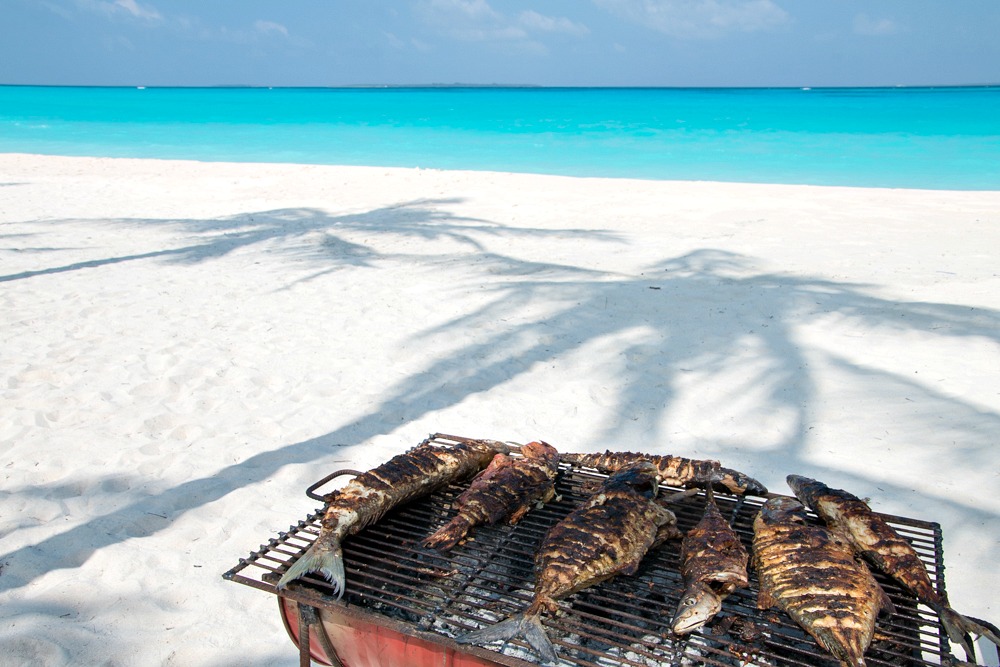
x: 323, y: 557
x: 448, y: 535
x: 960, y: 627
x: 525, y: 625
x: 847, y: 647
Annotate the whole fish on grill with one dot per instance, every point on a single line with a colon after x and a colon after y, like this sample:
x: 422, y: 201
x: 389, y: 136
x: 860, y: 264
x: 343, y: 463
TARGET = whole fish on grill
x: 888, y: 551
x: 507, y: 488
x: 607, y: 535
x: 369, y: 496
x: 813, y: 575
x: 713, y: 565
x: 675, y: 470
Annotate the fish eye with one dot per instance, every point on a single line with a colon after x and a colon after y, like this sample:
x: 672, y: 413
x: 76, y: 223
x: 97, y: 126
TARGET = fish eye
x: 689, y: 601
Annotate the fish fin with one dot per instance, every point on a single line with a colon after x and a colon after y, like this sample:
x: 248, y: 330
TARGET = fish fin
x: 630, y: 567
x: 879, y: 636
x: 668, y: 531
x: 528, y: 626
x: 322, y: 558
x: 676, y: 497
x: 885, y: 603
x: 850, y: 655
x: 535, y: 634
x: 448, y: 535
x: 873, y: 557
x: 960, y: 627
x: 518, y: 514
x: 765, y: 600
x: 499, y: 462
x: 987, y: 630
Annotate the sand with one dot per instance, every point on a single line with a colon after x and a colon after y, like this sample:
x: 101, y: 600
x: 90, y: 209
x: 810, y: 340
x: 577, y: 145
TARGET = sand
x: 186, y: 346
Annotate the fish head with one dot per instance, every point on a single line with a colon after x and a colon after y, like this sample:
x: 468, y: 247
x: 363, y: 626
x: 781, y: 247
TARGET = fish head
x: 804, y: 487
x: 697, y: 607
x: 739, y: 483
x: 797, y: 481
x: 782, y: 509
x: 640, y: 477
x: 541, y: 451
x: 484, y: 450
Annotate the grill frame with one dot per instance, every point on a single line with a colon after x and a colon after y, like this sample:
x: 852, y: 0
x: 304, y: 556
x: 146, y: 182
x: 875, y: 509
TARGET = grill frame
x: 624, y: 622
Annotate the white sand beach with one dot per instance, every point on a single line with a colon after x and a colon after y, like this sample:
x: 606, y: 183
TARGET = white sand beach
x: 186, y: 346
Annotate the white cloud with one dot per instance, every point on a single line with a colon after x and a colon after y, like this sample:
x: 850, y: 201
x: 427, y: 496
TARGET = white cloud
x: 474, y: 10
x: 866, y: 25
x: 269, y: 27
x: 477, y: 21
x: 394, y: 41
x: 699, y: 18
x: 421, y: 45
x: 492, y: 34
x: 120, y: 8
x: 137, y: 10
x: 532, y: 20
x: 56, y: 9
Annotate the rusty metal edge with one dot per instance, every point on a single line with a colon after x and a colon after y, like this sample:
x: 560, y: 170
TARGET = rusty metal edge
x: 304, y: 596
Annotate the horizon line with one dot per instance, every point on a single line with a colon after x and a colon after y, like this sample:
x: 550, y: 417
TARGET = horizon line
x: 500, y: 85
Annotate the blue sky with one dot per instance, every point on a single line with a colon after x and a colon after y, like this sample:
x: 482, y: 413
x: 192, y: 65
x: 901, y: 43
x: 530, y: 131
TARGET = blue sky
x: 547, y: 42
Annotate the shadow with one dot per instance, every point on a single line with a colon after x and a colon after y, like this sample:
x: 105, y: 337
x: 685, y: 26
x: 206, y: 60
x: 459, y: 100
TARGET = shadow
x: 704, y: 319
x: 709, y: 313
x: 312, y: 234
x: 97, y: 263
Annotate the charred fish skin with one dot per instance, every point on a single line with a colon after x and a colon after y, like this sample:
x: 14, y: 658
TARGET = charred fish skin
x: 713, y: 565
x: 369, y: 496
x: 739, y: 484
x: 675, y: 470
x: 887, y: 550
x: 506, y: 489
x: 606, y: 536
x: 812, y: 575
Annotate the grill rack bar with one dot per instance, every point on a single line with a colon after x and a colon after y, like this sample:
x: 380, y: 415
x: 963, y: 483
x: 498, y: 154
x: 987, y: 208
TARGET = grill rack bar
x: 623, y: 622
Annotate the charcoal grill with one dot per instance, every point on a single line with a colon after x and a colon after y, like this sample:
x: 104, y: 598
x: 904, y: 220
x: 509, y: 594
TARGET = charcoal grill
x: 414, y: 602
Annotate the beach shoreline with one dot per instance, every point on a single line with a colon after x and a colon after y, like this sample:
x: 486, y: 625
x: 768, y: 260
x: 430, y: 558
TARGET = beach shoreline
x: 188, y: 345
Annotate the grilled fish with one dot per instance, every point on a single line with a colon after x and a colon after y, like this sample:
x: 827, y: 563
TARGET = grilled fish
x: 812, y: 574
x: 675, y: 470
x: 713, y: 565
x: 881, y: 545
x: 508, y: 488
x: 369, y: 496
x: 606, y: 536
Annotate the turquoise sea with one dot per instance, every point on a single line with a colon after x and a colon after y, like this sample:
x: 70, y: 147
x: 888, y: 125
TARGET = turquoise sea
x: 940, y: 138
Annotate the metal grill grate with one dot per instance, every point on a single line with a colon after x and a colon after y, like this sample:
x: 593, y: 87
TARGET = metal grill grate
x: 624, y: 621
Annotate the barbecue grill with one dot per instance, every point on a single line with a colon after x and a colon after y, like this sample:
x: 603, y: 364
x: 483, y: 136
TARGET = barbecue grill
x: 404, y: 605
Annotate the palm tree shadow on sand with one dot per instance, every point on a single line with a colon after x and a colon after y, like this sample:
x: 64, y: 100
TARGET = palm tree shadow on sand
x: 305, y: 234
x: 709, y: 313
x: 704, y: 312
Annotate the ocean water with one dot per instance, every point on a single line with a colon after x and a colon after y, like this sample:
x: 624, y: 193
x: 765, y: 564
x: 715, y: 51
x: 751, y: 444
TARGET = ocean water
x: 938, y: 138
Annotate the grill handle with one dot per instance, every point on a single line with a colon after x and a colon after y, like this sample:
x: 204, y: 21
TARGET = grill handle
x: 311, y: 491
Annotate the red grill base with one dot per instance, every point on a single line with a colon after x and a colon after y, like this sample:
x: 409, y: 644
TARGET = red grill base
x: 337, y: 639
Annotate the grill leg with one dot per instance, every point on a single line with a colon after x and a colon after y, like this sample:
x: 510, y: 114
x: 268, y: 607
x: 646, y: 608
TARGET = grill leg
x: 310, y: 617
x: 305, y: 658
